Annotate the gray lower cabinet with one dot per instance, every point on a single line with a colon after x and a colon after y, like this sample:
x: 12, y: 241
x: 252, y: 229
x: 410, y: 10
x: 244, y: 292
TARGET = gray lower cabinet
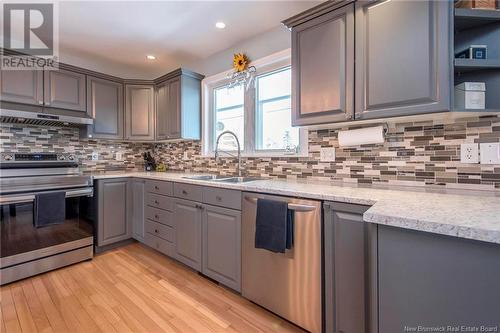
x: 178, y: 103
x: 23, y: 86
x: 222, y: 245
x: 187, y: 220
x: 401, y: 70
x: 347, y: 267
x: 323, y: 62
x: 139, y: 112
x: 431, y: 280
x: 138, y: 208
x: 114, y: 211
x: 105, y: 106
x: 65, y: 90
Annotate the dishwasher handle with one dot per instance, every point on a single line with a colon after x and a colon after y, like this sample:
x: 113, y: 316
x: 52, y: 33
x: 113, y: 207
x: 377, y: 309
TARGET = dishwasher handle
x: 291, y: 206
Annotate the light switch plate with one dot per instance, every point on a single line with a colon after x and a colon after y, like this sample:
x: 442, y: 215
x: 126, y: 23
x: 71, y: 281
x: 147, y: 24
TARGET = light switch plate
x: 95, y: 156
x: 490, y: 153
x: 469, y: 153
x: 327, y: 154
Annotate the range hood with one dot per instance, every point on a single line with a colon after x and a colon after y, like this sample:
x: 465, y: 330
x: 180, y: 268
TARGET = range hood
x: 11, y: 115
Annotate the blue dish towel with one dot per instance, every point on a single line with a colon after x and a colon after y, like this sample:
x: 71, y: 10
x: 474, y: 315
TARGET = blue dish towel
x: 50, y: 208
x: 274, y: 226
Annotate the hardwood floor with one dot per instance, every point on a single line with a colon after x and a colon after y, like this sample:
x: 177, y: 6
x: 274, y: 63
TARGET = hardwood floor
x: 130, y: 289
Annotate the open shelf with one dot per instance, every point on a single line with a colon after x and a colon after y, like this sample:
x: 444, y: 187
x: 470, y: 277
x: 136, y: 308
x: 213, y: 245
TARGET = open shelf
x: 468, y: 65
x: 473, y: 18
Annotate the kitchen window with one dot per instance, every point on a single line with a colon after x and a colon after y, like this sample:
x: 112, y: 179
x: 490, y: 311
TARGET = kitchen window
x: 259, y: 115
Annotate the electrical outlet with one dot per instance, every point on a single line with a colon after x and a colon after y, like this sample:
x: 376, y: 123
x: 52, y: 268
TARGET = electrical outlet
x: 327, y: 154
x: 95, y: 156
x: 119, y: 156
x: 490, y: 153
x: 469, y: 153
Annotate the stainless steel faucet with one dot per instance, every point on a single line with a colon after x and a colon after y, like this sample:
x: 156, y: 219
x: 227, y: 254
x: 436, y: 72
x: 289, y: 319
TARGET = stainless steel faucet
x: 228, y: 153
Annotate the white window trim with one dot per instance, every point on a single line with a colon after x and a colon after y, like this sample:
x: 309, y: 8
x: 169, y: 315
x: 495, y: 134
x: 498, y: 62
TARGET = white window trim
x: 263, y: 65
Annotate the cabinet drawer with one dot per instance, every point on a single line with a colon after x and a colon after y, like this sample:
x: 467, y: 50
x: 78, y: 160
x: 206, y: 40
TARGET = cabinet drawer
x: 159, y: 215
x: 222, y: 197
x: 159, y: 201
x: 159, y: 187
x: 159, y: 244
x: 188, y: 191
x: 160, y: 230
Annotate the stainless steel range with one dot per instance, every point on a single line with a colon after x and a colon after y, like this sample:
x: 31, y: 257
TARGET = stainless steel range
x: 27, y: 249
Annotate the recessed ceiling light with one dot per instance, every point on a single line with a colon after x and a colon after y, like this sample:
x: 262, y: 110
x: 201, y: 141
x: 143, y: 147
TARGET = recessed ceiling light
x: 220, y: 25
x: 150, y: 57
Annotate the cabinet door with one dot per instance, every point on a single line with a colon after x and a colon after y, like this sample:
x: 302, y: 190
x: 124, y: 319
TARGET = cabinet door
x: 65, y: 89
x: 431, y: 280
x: 222, y: 245
x: 162, y: 111
x: 174, y: 108
x: 138, y: 207
x: 187, y: 216
x: 401, y: 70
x: 323, y: 62
x: 346, y: 268
x: 139, y: 112
x: 113, y: 211
x: 105, y: 105
x: 23, y: 86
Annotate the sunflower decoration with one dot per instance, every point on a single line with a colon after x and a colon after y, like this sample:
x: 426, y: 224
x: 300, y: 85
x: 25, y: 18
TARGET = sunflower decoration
x: 240, y: 62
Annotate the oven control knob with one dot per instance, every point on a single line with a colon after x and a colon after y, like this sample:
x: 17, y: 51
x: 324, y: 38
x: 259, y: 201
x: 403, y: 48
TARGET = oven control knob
x: 71, y: 157
x: 62, y: 158
x: 7, y: 157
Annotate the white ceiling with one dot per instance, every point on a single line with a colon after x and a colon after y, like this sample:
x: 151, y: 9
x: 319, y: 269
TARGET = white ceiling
x: 116, y: 36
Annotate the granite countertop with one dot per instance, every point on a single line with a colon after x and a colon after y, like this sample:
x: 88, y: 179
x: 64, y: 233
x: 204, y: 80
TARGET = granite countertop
x: 473, y: 215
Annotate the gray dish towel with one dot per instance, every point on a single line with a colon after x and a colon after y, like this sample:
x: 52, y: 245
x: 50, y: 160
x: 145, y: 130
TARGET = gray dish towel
x: 274, y: 226
x: 50, y: 208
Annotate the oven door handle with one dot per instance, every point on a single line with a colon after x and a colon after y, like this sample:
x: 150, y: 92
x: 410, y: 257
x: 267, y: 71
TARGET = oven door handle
x: 9, y: 200
x: 291, y: 206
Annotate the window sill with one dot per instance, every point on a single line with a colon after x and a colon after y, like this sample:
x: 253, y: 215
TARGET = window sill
x: 258, y: 154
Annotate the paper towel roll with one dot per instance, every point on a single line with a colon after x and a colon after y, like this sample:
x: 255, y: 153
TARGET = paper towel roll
x: 362, y: 136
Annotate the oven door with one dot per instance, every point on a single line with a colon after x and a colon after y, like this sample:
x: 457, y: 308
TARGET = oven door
x: 21, y: 241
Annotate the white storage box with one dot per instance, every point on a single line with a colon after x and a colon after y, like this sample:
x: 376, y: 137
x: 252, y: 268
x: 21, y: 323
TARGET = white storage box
x: 470, y: 95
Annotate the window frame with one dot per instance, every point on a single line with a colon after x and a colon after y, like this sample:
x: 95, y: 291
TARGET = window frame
x: 264, y: 66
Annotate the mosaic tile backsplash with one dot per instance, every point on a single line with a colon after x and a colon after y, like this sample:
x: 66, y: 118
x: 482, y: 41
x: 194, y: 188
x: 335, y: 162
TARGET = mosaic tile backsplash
x: 415, y: 154
x: 31, y: 138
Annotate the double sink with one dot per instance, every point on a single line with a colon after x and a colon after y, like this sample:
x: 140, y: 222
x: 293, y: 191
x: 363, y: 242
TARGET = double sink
x: 223, y: 179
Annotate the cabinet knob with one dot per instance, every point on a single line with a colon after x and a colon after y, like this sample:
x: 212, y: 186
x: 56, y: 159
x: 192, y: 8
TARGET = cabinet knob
x: 156, y: 230
x: 218, y: 198
x: 184, y: 192
x: 348, y: 116
x: 156, y: 187
x: 156, y: 202
x: 157, y: 217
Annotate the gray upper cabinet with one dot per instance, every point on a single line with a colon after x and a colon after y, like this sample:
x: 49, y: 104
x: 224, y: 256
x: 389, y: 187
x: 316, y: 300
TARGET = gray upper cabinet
x: 138, y: 208
x: 105, y: 105
x: 139, y: 112
x: 23, y: 86
x: 323, y: 63
x: 65, y: 90
x: 178, y: 103
x: 188, y: 233
x: 114, y: 208
x: 222, y: 245
x: 402, y: 70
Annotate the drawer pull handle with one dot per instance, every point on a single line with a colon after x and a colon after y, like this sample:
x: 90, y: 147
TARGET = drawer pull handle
x: 156, y: 216
x: 156, y: 187
x: 156, y: 202
x: 156, y: 230
x: 184, y: 192
x: 218, y: 198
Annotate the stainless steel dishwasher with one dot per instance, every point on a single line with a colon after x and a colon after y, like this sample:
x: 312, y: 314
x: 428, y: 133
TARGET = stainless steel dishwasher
x: 288, y: 284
